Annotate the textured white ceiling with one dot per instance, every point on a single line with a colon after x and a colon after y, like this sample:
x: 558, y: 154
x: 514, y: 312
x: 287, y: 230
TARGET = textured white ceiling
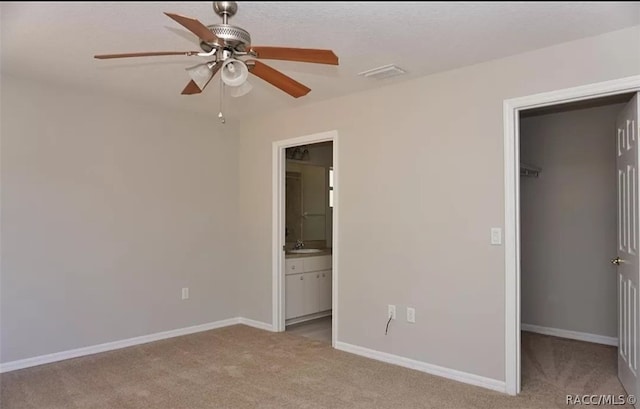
x: 55, y: 42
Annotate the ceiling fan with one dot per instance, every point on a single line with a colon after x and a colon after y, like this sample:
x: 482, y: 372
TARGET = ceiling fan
x: 230, y: 51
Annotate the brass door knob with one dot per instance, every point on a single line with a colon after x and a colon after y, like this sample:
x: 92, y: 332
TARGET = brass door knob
x: 616, y: 261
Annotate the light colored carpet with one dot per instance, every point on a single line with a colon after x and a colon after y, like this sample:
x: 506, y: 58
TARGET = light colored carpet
x: 243, y: 367
x: 554, y: 367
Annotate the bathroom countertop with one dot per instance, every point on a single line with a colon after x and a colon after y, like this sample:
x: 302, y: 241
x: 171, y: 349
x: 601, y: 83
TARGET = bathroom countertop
x: 324, y: 252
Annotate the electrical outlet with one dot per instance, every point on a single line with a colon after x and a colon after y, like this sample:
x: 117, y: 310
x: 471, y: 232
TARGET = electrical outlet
x: 411, y: 315
x: 391, y: 312
x: 185, y: 293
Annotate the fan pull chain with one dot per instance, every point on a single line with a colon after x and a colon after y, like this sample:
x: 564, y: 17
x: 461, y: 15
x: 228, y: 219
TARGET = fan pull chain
x: 220, y: 114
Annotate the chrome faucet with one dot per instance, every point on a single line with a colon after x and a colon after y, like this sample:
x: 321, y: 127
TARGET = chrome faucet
x: 299, y: 244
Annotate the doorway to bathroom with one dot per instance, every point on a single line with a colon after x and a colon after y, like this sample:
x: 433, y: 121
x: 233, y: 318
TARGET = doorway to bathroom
x: 305, y: 213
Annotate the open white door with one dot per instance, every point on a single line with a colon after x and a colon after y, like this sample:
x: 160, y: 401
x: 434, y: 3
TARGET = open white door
x: 627, y: 259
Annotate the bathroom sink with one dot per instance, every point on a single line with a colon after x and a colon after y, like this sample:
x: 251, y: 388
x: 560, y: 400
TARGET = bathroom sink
x: 305, y: 251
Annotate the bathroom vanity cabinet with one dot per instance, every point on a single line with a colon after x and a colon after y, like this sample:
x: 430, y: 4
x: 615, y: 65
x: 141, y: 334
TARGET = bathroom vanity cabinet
x: 307, y: 286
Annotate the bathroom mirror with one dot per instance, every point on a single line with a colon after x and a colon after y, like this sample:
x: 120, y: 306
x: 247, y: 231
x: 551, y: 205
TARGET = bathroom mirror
x: 306, y: 202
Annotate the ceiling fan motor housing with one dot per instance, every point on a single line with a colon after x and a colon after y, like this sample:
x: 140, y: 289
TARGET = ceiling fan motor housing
x: 225, y: 8
x: 232, y: 36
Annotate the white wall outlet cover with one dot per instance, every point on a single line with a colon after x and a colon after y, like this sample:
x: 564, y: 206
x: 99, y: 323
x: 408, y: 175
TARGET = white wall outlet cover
x: 185, y: 293
x: 496, y: 236
x: 391, y: 311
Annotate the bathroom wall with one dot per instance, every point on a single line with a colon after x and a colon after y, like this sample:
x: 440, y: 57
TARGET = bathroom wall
x: 321, y: 153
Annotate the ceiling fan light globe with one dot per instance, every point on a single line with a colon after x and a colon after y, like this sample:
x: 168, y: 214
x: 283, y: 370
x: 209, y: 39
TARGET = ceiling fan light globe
x: 200, y: 74
x: 241, y: 90
x: 234, y: 73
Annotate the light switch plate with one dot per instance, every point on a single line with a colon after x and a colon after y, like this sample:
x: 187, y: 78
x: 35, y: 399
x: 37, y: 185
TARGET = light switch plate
x: 411, y: 315
x: 496, y: 236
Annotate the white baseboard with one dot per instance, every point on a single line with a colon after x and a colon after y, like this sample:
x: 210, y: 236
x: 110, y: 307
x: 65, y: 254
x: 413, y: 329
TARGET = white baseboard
x: 563, y: 333
x: 255, y: 324
x: 109, y: 346
x: 453, y: 374
x: 293, y: 321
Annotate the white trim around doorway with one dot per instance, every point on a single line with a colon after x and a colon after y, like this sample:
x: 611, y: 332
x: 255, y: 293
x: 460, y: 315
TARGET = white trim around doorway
x: 511, y: 111
x: 278, y: 219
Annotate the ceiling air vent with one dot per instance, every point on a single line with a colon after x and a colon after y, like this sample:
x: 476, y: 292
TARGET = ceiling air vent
x: 380, y: 73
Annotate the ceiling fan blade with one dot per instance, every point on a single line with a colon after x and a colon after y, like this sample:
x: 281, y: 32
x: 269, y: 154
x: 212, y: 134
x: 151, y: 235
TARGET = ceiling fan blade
x: 149, y: 54
x: 278, y: 79
x: 193, y: 88
x: 195, y: 26
x: 296, y: 54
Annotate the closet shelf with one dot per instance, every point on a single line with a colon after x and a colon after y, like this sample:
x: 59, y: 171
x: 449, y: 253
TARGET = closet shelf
x: 529, y: 170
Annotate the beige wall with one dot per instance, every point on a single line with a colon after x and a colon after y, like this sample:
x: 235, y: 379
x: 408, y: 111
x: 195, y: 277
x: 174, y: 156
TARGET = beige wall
x: 109, y: 208
x: 568, y: 221
x: 421, y: 179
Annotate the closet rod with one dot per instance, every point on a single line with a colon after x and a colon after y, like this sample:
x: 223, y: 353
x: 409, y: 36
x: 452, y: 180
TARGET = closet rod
x: 529, y: 170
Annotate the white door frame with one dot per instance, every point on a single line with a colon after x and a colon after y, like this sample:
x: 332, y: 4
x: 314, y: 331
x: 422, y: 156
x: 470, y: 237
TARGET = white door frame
x: 511, y: 111
x: 278, y: 239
